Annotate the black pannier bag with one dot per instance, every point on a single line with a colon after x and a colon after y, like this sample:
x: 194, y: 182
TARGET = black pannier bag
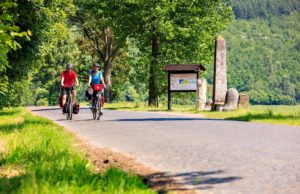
x: 76, y: 108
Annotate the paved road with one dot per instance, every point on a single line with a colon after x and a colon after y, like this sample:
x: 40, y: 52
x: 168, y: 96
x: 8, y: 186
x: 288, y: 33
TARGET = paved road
x: 212, y: 156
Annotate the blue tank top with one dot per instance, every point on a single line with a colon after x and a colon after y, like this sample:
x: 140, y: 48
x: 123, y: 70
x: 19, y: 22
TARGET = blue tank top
x: 96, y: 79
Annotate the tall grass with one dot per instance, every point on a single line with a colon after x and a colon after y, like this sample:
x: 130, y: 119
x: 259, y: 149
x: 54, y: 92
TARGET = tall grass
x: 37, y: 156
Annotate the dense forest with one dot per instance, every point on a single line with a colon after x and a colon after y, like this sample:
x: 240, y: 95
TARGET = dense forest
x: 263, y: 50
x: 38, y: 38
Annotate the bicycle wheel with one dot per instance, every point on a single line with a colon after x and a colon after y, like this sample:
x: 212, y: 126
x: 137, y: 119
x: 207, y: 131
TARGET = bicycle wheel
x: 68, y: 109
x: 71, y: 110
x: 99, y: 106
x: 94, y: 109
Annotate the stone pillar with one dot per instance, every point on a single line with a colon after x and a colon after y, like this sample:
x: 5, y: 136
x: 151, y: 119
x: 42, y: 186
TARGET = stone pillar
x: 232, y: 99
x: 201, y: 93
x: 220, y: 75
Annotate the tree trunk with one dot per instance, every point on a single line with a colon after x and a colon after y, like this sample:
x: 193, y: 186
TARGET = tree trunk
x: 107, y: 74
x: 153, y: 92
x: 106, y: 60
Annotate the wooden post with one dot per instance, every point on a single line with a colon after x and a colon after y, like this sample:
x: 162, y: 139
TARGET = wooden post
x: 169, y: 91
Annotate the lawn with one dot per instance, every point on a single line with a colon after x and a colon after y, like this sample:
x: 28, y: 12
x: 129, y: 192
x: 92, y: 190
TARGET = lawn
x: 287, y: 115
x: 38, y: 156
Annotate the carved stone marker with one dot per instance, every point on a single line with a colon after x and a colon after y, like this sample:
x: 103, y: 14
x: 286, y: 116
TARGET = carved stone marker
x: 220, y: 74
x: 201, y: 93
x: 232, y: 99
x: 244, y: 100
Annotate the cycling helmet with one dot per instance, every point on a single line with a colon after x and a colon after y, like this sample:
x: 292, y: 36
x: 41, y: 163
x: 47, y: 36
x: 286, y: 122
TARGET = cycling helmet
x: 69, y: 66
x: 96, y: 65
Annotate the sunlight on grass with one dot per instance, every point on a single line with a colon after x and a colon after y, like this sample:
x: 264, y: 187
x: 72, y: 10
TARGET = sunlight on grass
x: 39, y: 157
x: 288, y: 115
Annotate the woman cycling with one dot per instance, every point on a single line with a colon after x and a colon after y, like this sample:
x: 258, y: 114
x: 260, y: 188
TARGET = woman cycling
x: 95, y: 77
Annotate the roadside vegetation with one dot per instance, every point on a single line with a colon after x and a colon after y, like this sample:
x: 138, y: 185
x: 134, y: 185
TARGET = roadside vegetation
x: 38, y: 156
x: 288, y: 115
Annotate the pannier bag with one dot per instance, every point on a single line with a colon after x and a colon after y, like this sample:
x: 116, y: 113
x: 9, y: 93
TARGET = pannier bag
x: 76, y: 108
x: 60, y: 101
x: 97, y: 87
x: 87, y: 95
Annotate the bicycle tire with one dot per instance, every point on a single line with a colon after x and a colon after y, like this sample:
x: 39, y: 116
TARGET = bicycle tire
x: 68, y: 109
x: 99, y: 104
x: 71, y: 110
x: 94, y: 109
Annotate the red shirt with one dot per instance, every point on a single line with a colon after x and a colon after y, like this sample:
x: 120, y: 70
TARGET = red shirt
x: 69, y: 78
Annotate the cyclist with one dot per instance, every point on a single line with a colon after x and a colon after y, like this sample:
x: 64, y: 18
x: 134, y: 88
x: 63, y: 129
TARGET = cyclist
x: 68, y: 76
x: 96, y: 77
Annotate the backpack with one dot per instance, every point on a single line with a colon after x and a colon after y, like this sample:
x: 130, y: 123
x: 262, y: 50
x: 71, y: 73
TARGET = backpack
x: 76, y: 108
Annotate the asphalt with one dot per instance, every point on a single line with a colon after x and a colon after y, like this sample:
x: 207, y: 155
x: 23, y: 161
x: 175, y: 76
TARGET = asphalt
x: 208, y: 155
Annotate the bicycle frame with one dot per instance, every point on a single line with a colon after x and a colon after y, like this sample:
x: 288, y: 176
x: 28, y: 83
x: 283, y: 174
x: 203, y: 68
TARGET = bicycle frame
x: 97, y: 106
x: 69, y: 104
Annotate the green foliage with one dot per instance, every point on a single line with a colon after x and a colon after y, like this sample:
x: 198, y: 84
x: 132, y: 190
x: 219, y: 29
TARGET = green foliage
x: 190, y: 27
x: 45, y: 21
x: 8, y: 33
x: 249, y: 9
x: 44, y: 160
x: 263, y: 59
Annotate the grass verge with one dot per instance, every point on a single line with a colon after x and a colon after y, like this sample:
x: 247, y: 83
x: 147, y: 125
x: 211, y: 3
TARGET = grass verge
x: 287, y: 115
x: 38, y: 156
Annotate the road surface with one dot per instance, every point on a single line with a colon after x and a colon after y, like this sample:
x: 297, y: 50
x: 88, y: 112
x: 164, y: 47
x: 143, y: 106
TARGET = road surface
x: 208, y: 155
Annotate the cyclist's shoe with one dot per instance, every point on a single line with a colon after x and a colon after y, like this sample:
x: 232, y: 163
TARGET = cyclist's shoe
x: 101, y: 113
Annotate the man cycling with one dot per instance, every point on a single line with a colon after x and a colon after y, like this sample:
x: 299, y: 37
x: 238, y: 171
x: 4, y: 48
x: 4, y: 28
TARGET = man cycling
x: 67, y: 81
x: 95, y: 77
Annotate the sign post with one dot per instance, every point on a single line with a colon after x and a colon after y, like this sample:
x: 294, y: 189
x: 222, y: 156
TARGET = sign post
x: 182, y: 78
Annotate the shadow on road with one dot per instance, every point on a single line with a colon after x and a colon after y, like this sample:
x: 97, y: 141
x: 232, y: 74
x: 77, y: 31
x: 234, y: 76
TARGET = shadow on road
x: 163, y: 119
x: 75, y: 120
x: 45, y: 109
x: 54, y: 108
x: 200, y: 180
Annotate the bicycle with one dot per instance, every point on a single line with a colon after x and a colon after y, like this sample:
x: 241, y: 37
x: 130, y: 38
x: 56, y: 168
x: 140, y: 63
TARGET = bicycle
x: 69, y: 104
x: 97, y: 101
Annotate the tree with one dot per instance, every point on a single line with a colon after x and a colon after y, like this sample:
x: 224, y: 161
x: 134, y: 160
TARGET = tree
x: 47, y: 22
x: 175, y: 31
x: 8, y: 33
x: 94, y: 18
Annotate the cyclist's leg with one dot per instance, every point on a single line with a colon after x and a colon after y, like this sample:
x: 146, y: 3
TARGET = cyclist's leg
x: 64, y: 96
x: 102, y: 98
x: 94, y: 96
x: 73, y: 95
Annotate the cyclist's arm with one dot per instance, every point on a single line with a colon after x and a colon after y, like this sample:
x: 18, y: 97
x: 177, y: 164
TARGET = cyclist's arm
x: 76, y: 82
x: 102, y: 80
x: 90, y: 80
x: 62, y: 81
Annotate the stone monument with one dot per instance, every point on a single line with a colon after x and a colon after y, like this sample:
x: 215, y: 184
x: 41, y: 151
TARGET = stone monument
x: 244, y: 100
x: 232, y: 99
x: 220, y: 75
x: 201, y: 93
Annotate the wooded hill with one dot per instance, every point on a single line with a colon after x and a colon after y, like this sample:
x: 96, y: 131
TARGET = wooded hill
x: 264, y: 50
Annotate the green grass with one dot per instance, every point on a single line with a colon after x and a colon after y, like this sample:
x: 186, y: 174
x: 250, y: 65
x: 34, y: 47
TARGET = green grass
x: 38, y: 156
x: 287, y: 115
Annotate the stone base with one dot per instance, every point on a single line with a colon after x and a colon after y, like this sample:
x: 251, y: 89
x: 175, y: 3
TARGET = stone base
x: 217, y: 107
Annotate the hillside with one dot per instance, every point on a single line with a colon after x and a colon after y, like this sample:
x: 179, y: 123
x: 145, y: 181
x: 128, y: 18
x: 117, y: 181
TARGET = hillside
x: 263, y: 45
